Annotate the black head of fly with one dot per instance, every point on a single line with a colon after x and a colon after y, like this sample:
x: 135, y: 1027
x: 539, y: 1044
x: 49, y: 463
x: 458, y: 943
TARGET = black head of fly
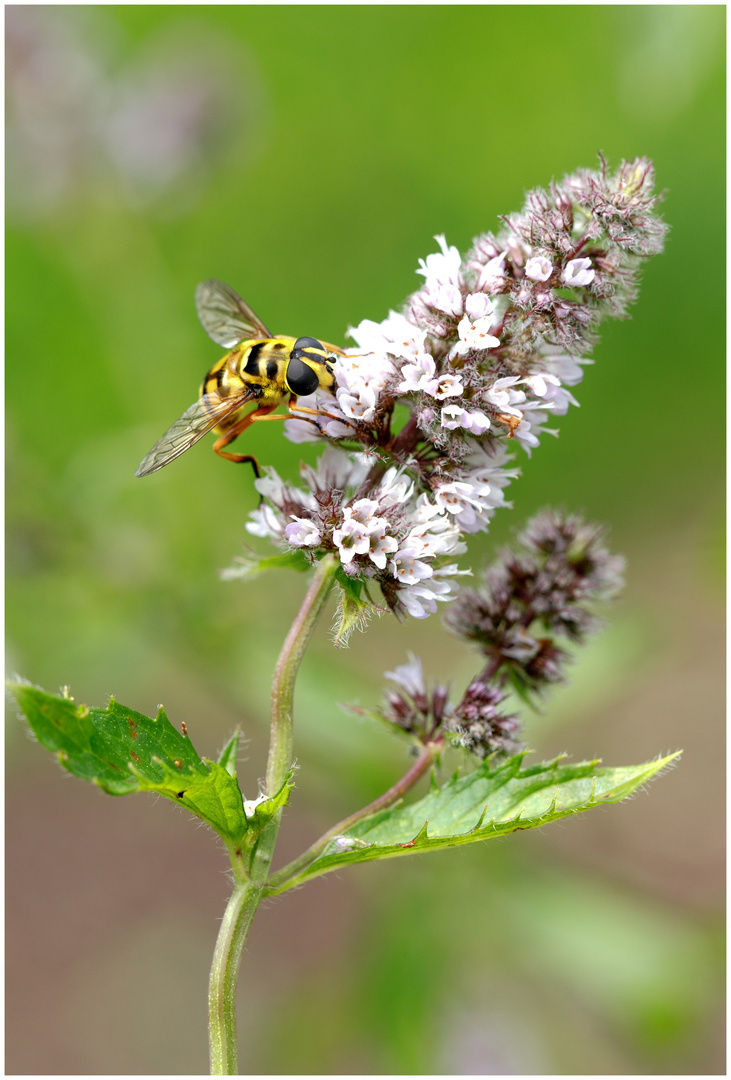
x: 305, y: 367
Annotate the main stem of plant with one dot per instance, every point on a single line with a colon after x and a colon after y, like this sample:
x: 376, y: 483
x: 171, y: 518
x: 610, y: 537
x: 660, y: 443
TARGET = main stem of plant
x: 250, y: 880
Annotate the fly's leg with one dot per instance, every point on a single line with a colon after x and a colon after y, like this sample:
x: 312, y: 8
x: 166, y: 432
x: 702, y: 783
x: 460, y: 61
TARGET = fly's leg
x: 295, y: 408
x: 236, y: 429
x: 264, y: 412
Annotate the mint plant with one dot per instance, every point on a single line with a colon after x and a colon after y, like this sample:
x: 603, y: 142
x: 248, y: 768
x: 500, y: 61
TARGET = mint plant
x: 416, y: 454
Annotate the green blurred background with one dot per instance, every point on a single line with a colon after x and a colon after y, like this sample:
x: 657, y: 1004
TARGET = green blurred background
x: 307, y: 155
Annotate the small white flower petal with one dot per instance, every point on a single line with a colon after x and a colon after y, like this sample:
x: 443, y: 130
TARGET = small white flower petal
x: 538, y: 268
x: 302, y: 532
x: 578, y: 272
x: 446, y: 386
x: 478, y: 306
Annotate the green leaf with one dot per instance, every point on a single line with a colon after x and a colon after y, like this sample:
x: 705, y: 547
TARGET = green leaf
x: 486, y: 803
x: 122, y: 751
x: 247, y: 567
x: 383, y: 722
x: 228, y: 757
x: 354, y: 607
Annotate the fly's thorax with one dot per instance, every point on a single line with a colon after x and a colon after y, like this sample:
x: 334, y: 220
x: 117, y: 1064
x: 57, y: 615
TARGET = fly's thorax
x: 269, y: 368
x: 257, y: 365
x: 262, y: 363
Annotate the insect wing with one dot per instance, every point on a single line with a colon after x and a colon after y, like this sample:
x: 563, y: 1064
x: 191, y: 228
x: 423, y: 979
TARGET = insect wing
x: 226, y: 318
x: 206, y: 414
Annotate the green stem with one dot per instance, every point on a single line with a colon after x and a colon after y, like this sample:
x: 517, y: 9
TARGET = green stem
x: 249, y: 887
x: 286, y: 877
x: 235, y: 926
x: 280, y: 744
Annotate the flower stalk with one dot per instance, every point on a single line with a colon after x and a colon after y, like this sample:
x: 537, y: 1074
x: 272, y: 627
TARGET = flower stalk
x: 285, y: 673
x: 249, y: 885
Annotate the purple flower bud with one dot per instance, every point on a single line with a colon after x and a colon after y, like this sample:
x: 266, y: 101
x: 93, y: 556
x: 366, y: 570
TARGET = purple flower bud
x: 478, y: 726
x: 545, y: 590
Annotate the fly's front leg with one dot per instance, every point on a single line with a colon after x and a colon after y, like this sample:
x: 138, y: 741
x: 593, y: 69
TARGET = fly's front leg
x: 295, y: 408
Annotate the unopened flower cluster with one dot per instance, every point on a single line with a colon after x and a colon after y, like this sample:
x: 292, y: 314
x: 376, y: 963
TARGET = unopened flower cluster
x: 543, y: 591
x: 484, y: 357
x: 535, y: 596
x: 476, y: 723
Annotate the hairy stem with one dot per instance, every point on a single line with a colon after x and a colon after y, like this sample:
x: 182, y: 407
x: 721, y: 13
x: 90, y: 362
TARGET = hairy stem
x: 399, y: 447
x: 284, y: 878
x: 407, y: 439
x: 285, y: 673
x: 235, y: 926
x: 249, y: 886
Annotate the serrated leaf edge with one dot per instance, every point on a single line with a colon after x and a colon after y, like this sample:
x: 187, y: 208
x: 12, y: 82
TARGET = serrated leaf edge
x: 503, y: 827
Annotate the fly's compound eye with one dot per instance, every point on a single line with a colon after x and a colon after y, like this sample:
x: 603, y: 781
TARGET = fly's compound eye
x: 303, y: 344
x: 301, y: 379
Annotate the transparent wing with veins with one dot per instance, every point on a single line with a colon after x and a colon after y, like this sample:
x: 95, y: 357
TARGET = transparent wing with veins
x: 207, y: 413
x: 225, y: 317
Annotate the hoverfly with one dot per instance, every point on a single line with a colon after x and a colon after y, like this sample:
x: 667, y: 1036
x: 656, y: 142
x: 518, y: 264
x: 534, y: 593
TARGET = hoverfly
x: 259, y: 368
